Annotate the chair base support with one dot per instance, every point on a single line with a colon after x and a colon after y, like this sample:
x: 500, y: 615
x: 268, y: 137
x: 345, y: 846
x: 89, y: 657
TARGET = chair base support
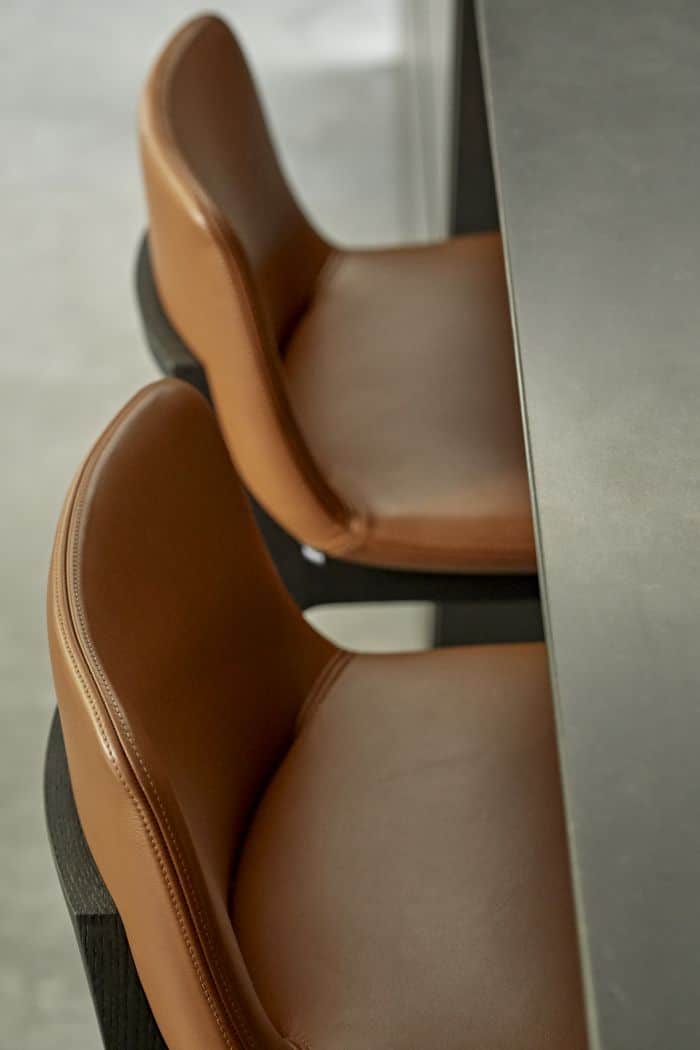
x: 488, y: 621
x: 471, y: 609
x: 124, y: 1016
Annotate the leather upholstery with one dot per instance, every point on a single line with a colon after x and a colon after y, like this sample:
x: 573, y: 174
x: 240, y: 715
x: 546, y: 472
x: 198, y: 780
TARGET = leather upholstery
x: 178, y: 678
x: 408, y: 352
x: 421, y: 430
x: 404, y: 883
x: 306, y: 848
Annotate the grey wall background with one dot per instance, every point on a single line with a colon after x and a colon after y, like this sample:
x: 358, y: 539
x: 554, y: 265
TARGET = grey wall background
x: 355, y: 90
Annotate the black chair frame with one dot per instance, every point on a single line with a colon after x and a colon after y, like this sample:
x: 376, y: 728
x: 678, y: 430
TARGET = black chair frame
x: 123, y: 1014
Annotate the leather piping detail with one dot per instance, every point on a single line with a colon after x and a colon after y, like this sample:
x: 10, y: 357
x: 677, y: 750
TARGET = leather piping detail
x: 109, y: 701
x: 321, y: 687
x: 330, y: 264
x: 351, y: 525
x: 141, y: 811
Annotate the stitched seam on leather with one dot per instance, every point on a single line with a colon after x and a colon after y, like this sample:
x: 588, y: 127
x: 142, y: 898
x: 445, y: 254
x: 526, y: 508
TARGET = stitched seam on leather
x: 238, y: 1019
x: 321, y: 687
x: 330, y: 264
x: 351, y: 520
x: 77, y: 507
x: 172, y: 894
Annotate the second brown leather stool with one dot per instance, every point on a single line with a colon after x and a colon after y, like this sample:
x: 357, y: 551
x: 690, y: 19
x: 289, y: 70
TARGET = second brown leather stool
x: 308, y: 849
x: 368, y: 398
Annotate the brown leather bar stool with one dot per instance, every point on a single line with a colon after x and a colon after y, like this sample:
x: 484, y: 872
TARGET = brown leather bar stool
x: 368, y: 397
x: 306, y: 848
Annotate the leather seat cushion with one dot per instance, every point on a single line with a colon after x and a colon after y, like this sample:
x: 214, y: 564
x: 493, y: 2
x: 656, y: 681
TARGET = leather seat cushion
x: 405, y: 880
x: 402, y: 378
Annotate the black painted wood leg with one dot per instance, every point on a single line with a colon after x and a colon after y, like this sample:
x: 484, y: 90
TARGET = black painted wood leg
x: 482, y: 623
x: 123, y: 1013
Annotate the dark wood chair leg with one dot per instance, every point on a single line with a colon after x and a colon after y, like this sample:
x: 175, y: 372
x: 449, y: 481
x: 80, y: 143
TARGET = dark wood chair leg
x: 123, y: 1013
x: 482, y: 623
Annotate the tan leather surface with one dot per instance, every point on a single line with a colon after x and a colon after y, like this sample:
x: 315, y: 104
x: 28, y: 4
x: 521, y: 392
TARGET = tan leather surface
x: 402, y: 378
x: 234, y: 261
x: 405, y: 881
x: 391, y: 434
x: 180, y: 664
x: 306, y: 848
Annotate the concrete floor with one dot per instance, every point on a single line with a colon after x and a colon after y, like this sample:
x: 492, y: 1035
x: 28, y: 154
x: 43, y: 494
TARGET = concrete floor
x: 71, y: 351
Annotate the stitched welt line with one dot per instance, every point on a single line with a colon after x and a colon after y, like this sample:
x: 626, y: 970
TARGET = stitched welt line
x: 175, y: 168
x: 61, y: 558
x: 321, y: 687
x: 85, y: 689
x: 330, y: 500
x: 238, y: 1020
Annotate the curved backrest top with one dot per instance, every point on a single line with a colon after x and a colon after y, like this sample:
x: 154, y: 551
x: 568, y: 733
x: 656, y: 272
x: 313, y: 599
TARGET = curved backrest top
x: 202, y: 111
x: 235, y: 263
x: 180, y: 664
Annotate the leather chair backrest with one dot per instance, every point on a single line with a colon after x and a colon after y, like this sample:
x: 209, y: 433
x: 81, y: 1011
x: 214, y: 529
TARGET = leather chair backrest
x: 180, y: 665
x: 235, y: 262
